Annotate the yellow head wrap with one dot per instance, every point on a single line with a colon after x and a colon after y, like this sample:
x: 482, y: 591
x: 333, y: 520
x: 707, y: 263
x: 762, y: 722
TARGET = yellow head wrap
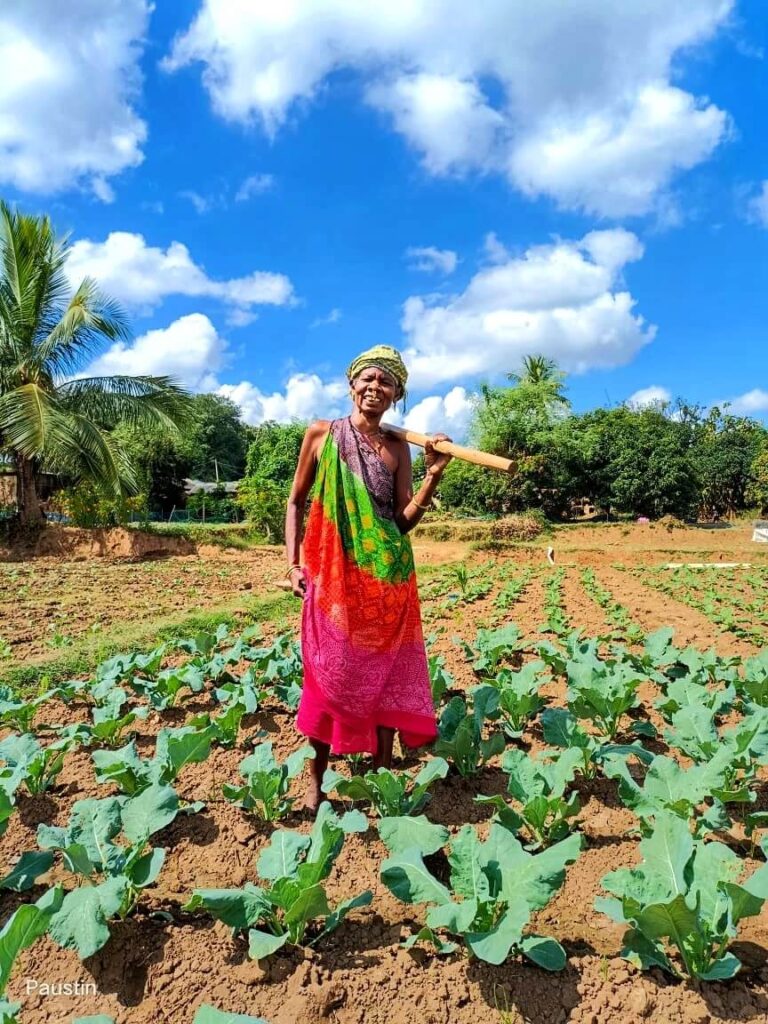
x: 385, y: 357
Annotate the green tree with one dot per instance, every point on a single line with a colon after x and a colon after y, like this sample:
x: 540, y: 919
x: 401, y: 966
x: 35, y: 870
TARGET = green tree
x: 726, y: 449
x: 274, y: 453
x: 757, y: 492
x: 217, y: 439
x: 162, y: 460
x: 643, y: 462
x: 49, y: 417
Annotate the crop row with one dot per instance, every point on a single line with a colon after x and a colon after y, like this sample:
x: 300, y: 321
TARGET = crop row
x: 714, y: 595
x: 681, y: 905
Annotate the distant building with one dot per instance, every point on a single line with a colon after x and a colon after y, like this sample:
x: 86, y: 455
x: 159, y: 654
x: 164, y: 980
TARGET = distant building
x: 202, y: 487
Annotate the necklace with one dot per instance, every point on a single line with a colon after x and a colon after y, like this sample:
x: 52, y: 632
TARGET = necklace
x: 371, y: 436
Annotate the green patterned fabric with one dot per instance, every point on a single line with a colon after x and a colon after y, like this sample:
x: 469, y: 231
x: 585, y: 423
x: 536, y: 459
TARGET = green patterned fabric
x: 373, y: 542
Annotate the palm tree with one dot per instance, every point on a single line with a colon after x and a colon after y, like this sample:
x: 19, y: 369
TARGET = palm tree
x: 51, y: 418
x: 538, y: 370
x: 544, y: 383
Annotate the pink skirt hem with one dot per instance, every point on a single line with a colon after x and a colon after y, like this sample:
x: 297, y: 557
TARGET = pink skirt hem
x: 361, y: 738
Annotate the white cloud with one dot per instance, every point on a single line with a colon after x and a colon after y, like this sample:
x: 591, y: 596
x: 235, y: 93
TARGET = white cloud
x: 142, y: 275
x: 559, y: 300
x: 254, y: 185
x: 70, y: 77
x: 324, y: 321
x: 754, y: 401
x: 494, y: 250
x: 578, y: 102
x: 446, y: 119
x: 103, y: 190
x: 241, y: 317
x: 189, y: 349
x: 757, y: 206
x: 202, y: 204
x: 615, y: 161
x: 652, y: 395
x: 449, y: 414
x: 429, y: 259
x: 305, y: 397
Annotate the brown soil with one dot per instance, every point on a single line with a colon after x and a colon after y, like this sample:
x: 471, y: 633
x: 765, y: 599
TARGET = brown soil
x: 652, y: 610
x: 156, y: 969
x: 653, y: 543
x: 48, y: 604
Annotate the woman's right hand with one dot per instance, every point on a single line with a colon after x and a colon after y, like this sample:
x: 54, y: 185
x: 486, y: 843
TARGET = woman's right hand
x: 298, y: 582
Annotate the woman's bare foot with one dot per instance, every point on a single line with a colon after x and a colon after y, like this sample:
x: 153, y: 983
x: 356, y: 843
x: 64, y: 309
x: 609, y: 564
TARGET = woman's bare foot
x: 314, y: 794
x: 313, y: 797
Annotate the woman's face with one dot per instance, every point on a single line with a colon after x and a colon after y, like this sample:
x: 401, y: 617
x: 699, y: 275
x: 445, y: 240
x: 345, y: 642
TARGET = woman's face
x: 374, y: 390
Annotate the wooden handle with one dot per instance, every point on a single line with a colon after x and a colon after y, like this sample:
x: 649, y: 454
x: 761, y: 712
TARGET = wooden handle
x: 458, y: 451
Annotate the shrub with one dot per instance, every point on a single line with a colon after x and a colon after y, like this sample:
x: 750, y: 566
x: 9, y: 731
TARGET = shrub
x: 87, y: 506
x: 264, y: 506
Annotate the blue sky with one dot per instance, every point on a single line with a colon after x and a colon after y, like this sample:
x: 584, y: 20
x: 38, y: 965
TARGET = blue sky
x: 270, y: 188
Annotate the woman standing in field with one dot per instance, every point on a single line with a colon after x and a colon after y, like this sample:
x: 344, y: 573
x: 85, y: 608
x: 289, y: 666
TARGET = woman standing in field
x: 365, y: 666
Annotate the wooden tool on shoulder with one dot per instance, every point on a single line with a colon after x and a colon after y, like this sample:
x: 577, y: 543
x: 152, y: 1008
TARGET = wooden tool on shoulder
x: 458, y: 451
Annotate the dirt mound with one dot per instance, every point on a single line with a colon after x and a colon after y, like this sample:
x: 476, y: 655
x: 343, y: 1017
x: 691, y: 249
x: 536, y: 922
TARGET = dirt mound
x: 516, y: 527
x: 74, y: 544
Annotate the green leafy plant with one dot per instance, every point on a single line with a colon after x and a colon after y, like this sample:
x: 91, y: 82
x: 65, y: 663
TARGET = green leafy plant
x: 538, y: 786
x: 668, y: 788
x: 174, y: 748
x: 519, y: 697
x: 18, y: 714
x: 684, y: 891
x: 561, y: 728
x: 267, y: 783
x: 293, y: 868
x: 28, y: 762
x: 22, y: 929
x: 207, y: 1014
x: 557, y: 620
x: 617, y: 614
x: 109, y: 722
x: 602, y: 692
x: 440, y: 678
x: 754, y: 685
x: 111, y: 875
x: 490, y: 648
x: 389, y: 793
x: 692, y: 691
x: 460, y: 738
x: 493, y: 889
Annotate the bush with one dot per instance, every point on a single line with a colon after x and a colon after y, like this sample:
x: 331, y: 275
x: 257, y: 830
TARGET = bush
x: 217, y: 506
x: 264, y: 506
x: 87, y: 506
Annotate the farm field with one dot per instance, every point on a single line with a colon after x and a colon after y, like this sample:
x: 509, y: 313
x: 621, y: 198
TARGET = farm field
x: 493, y: 620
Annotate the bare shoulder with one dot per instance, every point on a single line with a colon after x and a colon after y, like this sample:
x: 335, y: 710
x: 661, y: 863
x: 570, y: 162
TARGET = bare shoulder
x: 319, y: 428
x: 316, y: 434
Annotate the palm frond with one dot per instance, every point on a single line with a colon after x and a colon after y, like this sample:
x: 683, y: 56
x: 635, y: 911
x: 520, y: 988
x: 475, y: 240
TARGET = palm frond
x: 90, y: 453
x: 138, y: 401
x: 30, y: 420
x: 32, y: 281
x: 90, y: 321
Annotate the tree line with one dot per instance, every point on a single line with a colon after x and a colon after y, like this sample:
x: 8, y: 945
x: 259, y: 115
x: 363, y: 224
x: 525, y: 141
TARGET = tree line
x: 108, y: 438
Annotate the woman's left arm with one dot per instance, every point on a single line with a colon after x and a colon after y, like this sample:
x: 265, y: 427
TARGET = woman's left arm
x: 410, y: 508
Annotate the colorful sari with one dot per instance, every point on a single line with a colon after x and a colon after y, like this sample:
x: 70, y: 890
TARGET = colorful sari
x: 361, y: 637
